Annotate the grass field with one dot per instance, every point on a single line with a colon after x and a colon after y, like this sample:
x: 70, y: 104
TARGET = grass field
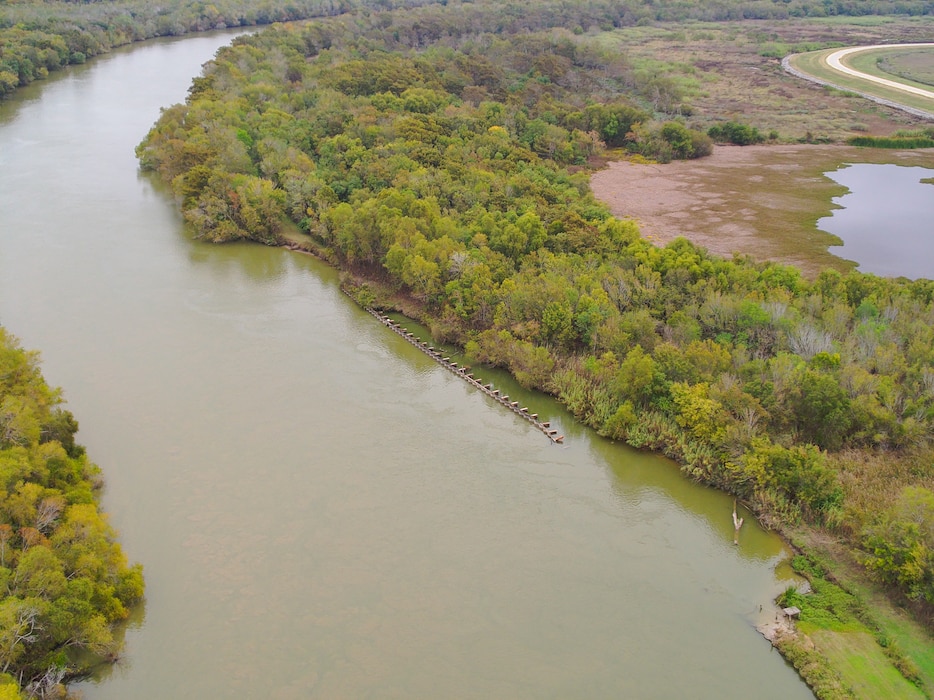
x: 865, y: 669
x: 911, y: 65
x: 899, y: 627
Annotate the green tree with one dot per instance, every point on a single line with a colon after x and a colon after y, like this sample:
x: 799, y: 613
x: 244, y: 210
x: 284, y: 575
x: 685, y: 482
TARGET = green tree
x: 704, y: 417
x: 557, y: 326
x: 638, y: 378
x: 821, y: 408
x: 798, y: 474
x: 901, y: 544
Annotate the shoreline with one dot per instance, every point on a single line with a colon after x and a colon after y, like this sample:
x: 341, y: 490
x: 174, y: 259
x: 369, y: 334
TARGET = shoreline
x: 760, y: 200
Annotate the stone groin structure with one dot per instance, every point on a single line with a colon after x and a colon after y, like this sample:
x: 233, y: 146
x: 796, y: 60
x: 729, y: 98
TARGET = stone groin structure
x: 465, y: 374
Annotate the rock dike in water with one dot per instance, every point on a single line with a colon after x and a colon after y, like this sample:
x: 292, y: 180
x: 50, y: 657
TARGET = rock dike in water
x: 464, y: 373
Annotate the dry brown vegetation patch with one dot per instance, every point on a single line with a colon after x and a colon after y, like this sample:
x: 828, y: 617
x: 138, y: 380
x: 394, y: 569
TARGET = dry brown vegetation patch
x: 737, y: 74
x: 762, y: 201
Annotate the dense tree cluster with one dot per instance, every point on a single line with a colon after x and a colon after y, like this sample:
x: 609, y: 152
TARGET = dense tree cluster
x: 37, y: 38
x: 41, y: 36
x: 440, y: 152
x: 64, y: 579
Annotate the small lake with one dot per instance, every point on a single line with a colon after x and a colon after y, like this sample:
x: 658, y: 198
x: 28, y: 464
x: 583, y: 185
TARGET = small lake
x: 886, y: 220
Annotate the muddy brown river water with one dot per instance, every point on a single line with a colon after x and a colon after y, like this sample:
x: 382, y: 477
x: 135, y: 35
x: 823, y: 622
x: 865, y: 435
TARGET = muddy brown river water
x: 322, y: 510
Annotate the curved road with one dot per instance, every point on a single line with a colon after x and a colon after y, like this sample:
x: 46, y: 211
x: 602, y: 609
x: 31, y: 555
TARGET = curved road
x: 835, y: 61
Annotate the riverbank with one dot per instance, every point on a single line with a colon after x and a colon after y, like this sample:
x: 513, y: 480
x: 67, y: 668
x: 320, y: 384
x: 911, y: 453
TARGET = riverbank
x: 764, y: 201
x: 44, y: 38
x: 853, y: 638
x: 894, y: 642
x: 863, y: 647
x: 789, y: 189
x: 744, y: 374
x: 310, y: 494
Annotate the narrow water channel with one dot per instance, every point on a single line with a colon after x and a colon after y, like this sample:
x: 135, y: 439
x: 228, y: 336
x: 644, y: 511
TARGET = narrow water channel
x: 321, y: 509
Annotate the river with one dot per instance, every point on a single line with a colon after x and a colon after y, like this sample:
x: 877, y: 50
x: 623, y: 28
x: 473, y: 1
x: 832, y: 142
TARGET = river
x: 322, y: 511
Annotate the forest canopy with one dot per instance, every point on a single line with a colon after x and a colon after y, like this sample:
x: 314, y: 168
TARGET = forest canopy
x: 38, y: 37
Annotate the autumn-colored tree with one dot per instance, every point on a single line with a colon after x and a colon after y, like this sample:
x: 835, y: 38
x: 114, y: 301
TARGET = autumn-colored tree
x: 63, y: 577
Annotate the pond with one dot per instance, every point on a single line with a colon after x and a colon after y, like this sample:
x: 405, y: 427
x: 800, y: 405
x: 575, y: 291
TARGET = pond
x: 885, y: 220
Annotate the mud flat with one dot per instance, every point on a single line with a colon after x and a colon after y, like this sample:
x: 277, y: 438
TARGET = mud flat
x: 762, y: 201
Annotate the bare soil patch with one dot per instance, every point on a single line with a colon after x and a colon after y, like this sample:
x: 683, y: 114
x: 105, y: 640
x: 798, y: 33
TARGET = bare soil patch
x: 763, y: 201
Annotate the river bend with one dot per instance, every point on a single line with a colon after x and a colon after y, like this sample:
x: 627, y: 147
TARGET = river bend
x: 322, y: 510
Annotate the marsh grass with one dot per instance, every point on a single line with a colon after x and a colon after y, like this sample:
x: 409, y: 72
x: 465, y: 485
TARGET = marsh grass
x: 872, y: 481
x: 864, y: 21
x: 907, y: 142
x: 805, y: 196
x: 917, y: 66
x: 732, y: 71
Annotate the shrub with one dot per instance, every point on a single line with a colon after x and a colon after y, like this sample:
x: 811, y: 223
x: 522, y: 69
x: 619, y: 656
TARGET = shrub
x: 735, y: 133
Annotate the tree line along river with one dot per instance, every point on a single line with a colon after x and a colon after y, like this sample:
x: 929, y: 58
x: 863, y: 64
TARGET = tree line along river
x: 321, y: 509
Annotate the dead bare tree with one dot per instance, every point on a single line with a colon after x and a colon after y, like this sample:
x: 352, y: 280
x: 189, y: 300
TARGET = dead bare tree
x: 737, y: 524
x: 49, y: 684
